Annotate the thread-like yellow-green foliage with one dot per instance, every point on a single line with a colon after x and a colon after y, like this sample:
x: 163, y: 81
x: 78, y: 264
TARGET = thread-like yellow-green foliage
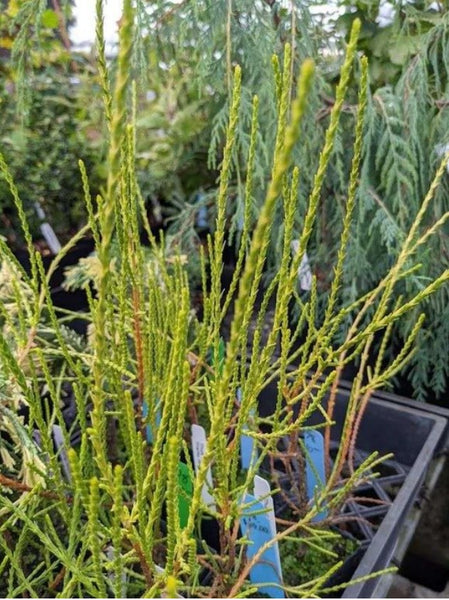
x: 94, y: 541
x: 101, y: 60
x: 149, y: 368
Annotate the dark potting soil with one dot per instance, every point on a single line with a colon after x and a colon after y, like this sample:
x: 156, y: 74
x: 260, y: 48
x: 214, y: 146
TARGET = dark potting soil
x: 302, y: 563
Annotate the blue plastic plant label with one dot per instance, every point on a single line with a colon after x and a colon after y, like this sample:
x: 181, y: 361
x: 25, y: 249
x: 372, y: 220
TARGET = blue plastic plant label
x: 199, y: 442
x: 202, y: 214
x: 248, y: 448
x: 201, y: 218
x: 149, y: 429
x: 262, y: 491
x: 315, y: 471
x: 266, y: 573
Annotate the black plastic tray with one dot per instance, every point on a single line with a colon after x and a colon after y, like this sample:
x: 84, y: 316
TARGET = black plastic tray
x: 415, y: 434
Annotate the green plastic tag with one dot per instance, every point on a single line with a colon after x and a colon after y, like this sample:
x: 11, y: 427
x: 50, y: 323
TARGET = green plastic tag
x: 221, y: 354
x: 185, y: 493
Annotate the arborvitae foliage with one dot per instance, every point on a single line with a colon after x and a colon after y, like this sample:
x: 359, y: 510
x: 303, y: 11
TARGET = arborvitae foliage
x: 107, y: 521
x: 405, y: 138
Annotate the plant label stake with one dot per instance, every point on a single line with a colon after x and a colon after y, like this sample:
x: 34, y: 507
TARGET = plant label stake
x: 258, y: 529
x: 248, y: 449
x: 47, y: 230
x: 61, y: 450
x: 202, y: 214
x: 315, y: 472
x: 304, y: 270
x: 262, y: 491
x: 149, y: 430
x: 185, y: 493
x: 199, y: 442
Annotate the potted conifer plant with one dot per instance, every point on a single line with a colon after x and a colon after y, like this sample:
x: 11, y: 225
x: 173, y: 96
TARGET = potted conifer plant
x: 169, y: 431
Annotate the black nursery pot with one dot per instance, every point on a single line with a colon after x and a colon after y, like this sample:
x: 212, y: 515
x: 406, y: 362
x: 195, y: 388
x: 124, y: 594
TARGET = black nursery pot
x: 415, y: 434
